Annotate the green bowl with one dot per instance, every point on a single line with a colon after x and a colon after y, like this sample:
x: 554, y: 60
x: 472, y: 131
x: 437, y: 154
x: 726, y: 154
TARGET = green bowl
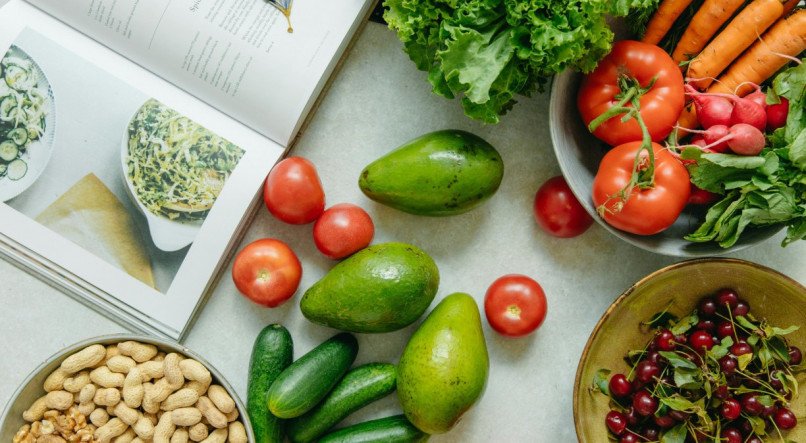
x: 771, y: 295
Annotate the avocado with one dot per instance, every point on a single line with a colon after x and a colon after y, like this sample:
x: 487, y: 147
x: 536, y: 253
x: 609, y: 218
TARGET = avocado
x: 444, y: 367
x: 441, y: 173
x: 381, y: 288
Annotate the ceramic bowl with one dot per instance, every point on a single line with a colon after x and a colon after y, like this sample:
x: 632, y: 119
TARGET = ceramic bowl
x: 771, y: 295
x: 579, y: 153
x: 31, y: 389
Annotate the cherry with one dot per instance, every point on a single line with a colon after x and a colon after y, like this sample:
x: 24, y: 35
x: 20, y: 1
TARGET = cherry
x: 679, y: 415
x: 616, y: 422
x: 775, y: 382
x: 785, y: 419
x: 795, y: 356
x: 741, y: 309
x: 646, y: 371
x: 632, y: 417
x: 655, y: 357
x: 637, y: 385
x: 629, y: 438
x: 665, y: 340
x: 731, y: 435
x: 728, y: 364
x: 727, y: 297
x: 754, y: 439
x: 651, y: 433
x: 619, y: 385
x: 681, y: 339
x: 644, y: 403
x: 746, y: 427
x: 665, y: 421
x: 741, y: 348
x: 706, y: 325
x: 701, y: 340
x: 724, y: 329
x: 751, y: 405
x: 768, y: 411
x: 707, y: 307
x: 730, y: 409
x: 734, y: 381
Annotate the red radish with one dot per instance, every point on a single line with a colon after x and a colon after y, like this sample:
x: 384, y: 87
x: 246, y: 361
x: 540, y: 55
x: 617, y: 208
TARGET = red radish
x: 749, y: 112
x: 701, y: 196
x: 713, y: 135
x: 711, y: 110
x: 776, y: 114
x: 758, y: 97
x: 743, y: 139
x: 743, y: 110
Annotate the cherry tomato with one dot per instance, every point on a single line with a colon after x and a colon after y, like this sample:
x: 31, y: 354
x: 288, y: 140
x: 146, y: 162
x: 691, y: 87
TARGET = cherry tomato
x: 661, y: 105
x: 558, y: 212
x: 342, y: 230
x: 267, y: 272
x: 647, y: 211
x: 515, y: 305
x: 293, y: 191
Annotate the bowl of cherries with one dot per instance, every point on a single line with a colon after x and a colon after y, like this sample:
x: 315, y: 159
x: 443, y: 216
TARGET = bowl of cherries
x: 701, y: 351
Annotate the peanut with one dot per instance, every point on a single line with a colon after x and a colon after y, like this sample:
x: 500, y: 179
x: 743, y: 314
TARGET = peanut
x: 59, y: 400
x: 156, y: 394
x: 180, y: 399
x: 121, y: 364
x: 164, y: 429
x: 144, y: 428
x: 76, y: 382
x: 85, y: 397
x: 36, y: 411
x: 213, y: 415
x: 50, y: 438
x: 221, y: 399
x: 193, y: 370
x: 83, y: 359
x: 140, y: 352
x: 99, y: 417
x: 153, y: 417
x: 198, y: 432
x: 197, y: 386
x: 173, y: 374
x: 105, y: 378
x: 111, y: 351
x: 110, y: 430
x: 237, y: 433
x: 217, y: 436
x: 180, y: 436
x: 232, y: 416
x: 186, y: 416
x: 126, y: 414
x: 137, y: 440
x: 151, y: 370
x: 125, y: 437
x: 159, y: 357
x: 106, y: 397
x: 133, y: 390
x: 55, y: 380
x: 86, y: 408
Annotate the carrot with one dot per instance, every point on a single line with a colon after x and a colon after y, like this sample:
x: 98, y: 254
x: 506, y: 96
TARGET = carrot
x: 708, y: 19
x: 789, y: 5
x: 763, y: 59
x: 687, y: 120
x: 731, y: 42
x: 663, y: 19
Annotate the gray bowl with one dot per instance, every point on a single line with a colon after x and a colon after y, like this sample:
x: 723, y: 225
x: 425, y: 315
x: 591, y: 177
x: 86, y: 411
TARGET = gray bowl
x: 579, y: 154
x: 31, y: 389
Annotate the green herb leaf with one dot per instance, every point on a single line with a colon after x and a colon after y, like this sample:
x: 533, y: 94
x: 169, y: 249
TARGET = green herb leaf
x: 684, y: 324
x: 758, y: 424
x: 784, y: 331
x: 601, y: 379
x: 675, y: 435
x: 779, y: 348
x: 721, y: 349
x: 744, y: 361
x: 676, y: 361
x: 687, y: 378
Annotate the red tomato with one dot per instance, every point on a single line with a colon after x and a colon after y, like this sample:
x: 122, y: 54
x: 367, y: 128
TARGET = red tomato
x: 558, y: 212
x: 647, y: 211
x: 267, y: 272
x: 293, y: 191
x: 661, y: 105
x: 515, y: 305
x: 343, y: 230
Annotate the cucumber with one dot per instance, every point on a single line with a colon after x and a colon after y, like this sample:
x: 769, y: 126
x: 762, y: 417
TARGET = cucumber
x: 3, y: 169
x: 18, y: 136
x: 272, y: 352
x: 308, y: 380
x: 17, y: 170
x: 395, y: 429
x: 359, y: 387
x: 8, y: 151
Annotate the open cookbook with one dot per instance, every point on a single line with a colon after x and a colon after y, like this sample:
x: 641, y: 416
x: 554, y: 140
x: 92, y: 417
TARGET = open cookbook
x: 135, y: 137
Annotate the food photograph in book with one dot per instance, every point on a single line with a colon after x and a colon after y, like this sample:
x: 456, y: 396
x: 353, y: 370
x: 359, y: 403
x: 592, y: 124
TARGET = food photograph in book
x: 90, y: 157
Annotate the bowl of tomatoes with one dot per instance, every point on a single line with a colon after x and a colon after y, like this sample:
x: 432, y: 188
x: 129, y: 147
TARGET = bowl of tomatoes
x: 702, y: 350
x: 650, y: 204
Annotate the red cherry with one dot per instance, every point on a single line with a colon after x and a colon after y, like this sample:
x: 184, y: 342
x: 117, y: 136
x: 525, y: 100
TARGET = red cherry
x: 741, y: 348
x: 727, y: 297
x: 724, y: 329
x: 665, y: 421
x: 629, y: 438
x: 785, y: 419
x: 731, y: 409
x: 665, y: 340
x: 644, y: 403
x: 751, y: 405
x: 731, y: 435
x: 646, y: 371
x: 619, y: 385
x: 616, y: 422
x: 795, y: 356
x: 701, y: 340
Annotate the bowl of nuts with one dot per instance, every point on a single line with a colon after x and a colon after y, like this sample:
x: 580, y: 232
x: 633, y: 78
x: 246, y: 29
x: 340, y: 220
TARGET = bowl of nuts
x: 125, y: 388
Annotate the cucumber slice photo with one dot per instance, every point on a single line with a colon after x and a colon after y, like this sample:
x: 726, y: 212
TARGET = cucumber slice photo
x: 8, y: 151
x: 17, y: 169
x: 3, y: 169
x: 18, y: 136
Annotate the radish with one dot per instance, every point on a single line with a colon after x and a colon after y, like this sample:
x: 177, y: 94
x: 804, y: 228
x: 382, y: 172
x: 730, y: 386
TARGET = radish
x: 743, y: 139
x: 711, y: 138
x: 776, y: 114
x: 748, y: 112
x: 701, y: 197
x: 758, y: 97
x: 742, y: 110
x: 710, y: 110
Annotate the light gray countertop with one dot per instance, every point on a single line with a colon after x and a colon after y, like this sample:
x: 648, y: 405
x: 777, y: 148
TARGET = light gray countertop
x: 378, y: 101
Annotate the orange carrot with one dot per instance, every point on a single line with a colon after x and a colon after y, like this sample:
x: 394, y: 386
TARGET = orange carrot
x: 731, y: 42
x: 708, y: 19
x: 687, y: 120
x: 763, y: 59
x: 663, y: 19
x: 789, y: 5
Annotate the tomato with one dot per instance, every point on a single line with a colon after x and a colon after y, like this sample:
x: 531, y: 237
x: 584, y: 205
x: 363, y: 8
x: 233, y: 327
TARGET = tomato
x: 647, y: 211
x: 343, y: 230
x: 267, y: 272
x: 558, y: 212
x: 515, y: 305
x: 293, y: 191
x: 661, y: 105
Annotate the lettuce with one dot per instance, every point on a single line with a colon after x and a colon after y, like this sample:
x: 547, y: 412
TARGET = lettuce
x: 489, y: 51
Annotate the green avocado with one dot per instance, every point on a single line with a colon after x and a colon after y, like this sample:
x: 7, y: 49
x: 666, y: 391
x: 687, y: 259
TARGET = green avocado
x: 442, y: 173
x: 444, y: 367
x: 381, y: 288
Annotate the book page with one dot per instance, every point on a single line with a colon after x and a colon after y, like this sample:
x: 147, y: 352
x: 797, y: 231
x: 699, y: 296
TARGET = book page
x: 257, y: 63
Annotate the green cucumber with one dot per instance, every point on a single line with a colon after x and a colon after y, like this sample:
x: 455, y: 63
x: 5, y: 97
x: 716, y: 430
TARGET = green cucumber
x: 18, y: 135
x: 359, y: 387
x: 308, y: 380
x: 17, y: 169
x: 272, y: 353
x: 8, y: 151
x: 395, y: 429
